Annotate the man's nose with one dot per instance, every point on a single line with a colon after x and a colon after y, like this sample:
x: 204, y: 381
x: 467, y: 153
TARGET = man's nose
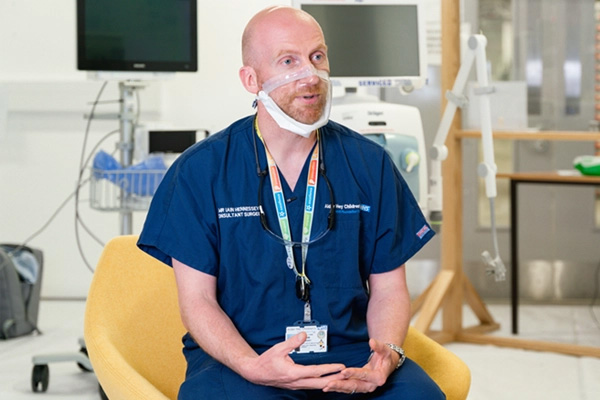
x: 311, y: 80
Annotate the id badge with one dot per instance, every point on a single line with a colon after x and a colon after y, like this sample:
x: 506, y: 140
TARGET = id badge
x: 316, y: 337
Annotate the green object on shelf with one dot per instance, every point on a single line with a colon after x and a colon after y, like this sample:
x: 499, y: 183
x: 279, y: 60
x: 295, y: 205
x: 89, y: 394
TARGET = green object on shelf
x: 587, y: 165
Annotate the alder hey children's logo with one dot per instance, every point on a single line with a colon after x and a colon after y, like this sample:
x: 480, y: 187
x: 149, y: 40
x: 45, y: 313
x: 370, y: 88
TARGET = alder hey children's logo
x: 349, y: 208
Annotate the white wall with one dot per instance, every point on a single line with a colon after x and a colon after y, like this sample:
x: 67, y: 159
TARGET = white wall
x: 42, y: 101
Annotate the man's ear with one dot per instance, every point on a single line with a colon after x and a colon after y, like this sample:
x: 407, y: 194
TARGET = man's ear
x: 249, y: 80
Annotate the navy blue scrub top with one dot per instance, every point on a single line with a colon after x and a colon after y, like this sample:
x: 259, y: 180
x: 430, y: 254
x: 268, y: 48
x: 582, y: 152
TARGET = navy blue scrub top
x: 205, y: 215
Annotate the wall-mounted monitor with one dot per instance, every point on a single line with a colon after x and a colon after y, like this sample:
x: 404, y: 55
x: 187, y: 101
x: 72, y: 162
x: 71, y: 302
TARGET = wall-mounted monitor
x: 137, y: 35
x: 373, y: 42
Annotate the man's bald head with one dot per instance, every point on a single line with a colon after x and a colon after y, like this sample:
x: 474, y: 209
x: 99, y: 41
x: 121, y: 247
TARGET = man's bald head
x: 269, y: 19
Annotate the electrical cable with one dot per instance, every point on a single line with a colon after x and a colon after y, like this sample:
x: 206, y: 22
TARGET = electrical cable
x: 106, y: 102
x: 85, y: 164
x: 46, y: 224
x: 138, y: 108
x: 595, y: 295
x: 62, y: 205
x: 80, y: 176
x: 82, y: 167
x: 78, y: 219
x: 89, y: 123
x: 494, y: 266
x: 80, y: 183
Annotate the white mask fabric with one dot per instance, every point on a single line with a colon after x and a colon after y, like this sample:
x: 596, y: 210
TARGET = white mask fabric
x: 281, y: 118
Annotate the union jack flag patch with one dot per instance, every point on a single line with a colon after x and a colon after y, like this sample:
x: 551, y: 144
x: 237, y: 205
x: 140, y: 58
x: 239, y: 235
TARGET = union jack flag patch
x: 423, y: 231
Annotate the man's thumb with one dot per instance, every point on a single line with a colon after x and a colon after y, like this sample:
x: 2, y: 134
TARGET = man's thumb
x: 296, y: 341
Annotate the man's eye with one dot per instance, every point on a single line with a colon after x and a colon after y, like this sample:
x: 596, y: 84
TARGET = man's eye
x: 319, y: 57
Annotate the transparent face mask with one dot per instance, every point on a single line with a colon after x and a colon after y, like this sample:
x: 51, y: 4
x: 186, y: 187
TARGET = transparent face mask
x: 284, y: 120
x: 286, y: 78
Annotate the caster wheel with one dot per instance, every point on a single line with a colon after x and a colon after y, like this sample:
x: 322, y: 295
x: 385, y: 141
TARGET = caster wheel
x: 83, y: 350
x: 39, y: 378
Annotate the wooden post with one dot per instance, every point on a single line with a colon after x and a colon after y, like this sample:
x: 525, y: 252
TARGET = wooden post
x: 451, y: 287
x: 451, y: 233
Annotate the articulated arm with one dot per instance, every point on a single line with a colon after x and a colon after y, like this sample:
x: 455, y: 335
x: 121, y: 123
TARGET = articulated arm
x: 487, y: 169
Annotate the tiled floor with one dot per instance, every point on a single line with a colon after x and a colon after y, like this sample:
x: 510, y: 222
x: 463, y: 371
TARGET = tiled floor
x: 497, y: 373
x: 62, y: 325
x: 507, y: 373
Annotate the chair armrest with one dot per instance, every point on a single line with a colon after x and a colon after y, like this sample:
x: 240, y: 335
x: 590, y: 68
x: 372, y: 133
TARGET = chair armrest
x: 118, y: 378
x: 447, y: 370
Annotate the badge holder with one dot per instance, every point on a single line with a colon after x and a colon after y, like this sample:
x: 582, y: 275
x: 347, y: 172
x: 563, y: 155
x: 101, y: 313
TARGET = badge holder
x: 316, y: 334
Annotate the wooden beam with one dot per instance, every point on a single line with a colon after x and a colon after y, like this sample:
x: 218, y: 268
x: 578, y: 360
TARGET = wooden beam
x: 476, y: 303
x: 567, y: 136
x: 441, y: 337
x: 451, y: 234
x: 417, y: 303
x: 439, y: 289
x: 536, y: 345
x: 548, y: 177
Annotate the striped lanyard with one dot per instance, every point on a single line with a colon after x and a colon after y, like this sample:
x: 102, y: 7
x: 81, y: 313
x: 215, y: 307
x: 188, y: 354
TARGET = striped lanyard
x: 309, y: 202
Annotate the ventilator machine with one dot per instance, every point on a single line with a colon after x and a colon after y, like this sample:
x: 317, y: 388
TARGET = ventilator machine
x: 396, y: 127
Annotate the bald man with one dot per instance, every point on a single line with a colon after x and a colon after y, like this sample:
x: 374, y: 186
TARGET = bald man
x: 288, y: 234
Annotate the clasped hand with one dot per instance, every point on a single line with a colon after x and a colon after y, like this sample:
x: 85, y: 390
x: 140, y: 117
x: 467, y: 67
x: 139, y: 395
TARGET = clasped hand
x: 371, y: 376
x: 276, y: 368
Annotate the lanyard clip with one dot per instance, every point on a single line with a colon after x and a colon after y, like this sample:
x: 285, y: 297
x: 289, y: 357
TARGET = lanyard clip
x: 307, y: 312
x: 302, y: 288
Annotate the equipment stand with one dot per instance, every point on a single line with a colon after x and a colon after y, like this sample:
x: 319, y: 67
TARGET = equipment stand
x: 127, y: 117
x: 451, y: 287
x: 127, y: 120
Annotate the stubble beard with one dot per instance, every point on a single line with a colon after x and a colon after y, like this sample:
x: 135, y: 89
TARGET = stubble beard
x: 306, y: 113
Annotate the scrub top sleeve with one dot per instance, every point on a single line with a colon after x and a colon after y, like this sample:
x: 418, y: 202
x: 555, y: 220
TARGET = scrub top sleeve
x: 181, y: 221
x: 402, y: 229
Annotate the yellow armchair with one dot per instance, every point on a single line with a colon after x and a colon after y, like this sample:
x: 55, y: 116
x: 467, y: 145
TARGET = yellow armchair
x: 133, y: 331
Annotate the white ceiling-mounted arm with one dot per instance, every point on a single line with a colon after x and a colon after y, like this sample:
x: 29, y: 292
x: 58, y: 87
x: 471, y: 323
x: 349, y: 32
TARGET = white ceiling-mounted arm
x: 439, y: 151
x: 487, y: 169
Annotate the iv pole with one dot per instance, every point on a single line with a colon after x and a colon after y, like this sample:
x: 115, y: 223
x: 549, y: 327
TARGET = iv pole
x: 127, y: 117
x: 127, y: 125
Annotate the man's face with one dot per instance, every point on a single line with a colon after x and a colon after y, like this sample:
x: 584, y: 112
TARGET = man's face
x: 288, y: 47
x: 303, y: 100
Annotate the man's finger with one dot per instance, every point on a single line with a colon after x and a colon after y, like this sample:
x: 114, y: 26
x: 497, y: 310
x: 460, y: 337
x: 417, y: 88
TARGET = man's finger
x: 362, y: 374
x: 314, y: 382
x: 322, y: 370
x: 350, y: 386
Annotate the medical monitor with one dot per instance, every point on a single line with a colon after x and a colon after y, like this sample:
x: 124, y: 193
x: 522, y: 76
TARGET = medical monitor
x: 156, y: 138
x: 373, y: 43
x: 137, y: 35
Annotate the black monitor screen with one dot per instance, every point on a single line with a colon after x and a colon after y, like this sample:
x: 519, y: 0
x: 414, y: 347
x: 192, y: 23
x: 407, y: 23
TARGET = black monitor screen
x: 170, y: 141
x: 370, y: 40
x: 137, y: 35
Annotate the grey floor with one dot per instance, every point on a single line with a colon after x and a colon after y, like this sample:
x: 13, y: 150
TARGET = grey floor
x: 498, y: 373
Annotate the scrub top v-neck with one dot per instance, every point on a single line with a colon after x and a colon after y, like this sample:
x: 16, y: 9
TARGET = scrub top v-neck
x: 205, y: 215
